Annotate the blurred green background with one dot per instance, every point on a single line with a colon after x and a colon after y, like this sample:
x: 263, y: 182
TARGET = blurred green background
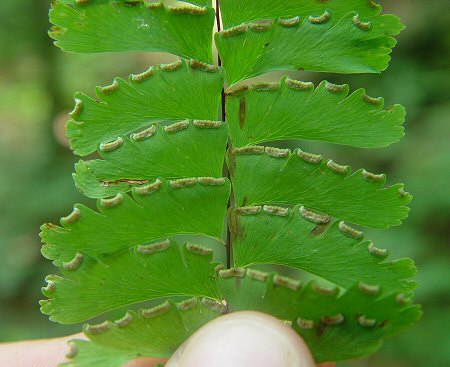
x: 37, y: 82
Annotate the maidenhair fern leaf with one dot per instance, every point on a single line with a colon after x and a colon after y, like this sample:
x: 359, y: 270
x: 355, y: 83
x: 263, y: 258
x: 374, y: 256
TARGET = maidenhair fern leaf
x: 315, y: 44
x: 99, y: 286
x: 235, y: 12
x: 162, y: 146
x: 157, y: 210
x: 275, y: 176
x: 86, y: 354
x: 171, y: 92
x: 303, y: 239
x: 335, y: 326
x: 367, y: 320
x: 111, y: 26
x: 195, y: 2
x: 155, y: 332
x: 167, y: 326
x: 176, y: 151
x: 264, y: 112
x: 92, y: 187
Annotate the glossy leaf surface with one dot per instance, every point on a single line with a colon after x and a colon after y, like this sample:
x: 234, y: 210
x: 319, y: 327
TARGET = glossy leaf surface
x: 277, y: 176
x: 167, y: 93
x: 197, y: 149
x: 313, y: 242
x: 293, y: 109
x: 105, y: 26
x: 99, y: 286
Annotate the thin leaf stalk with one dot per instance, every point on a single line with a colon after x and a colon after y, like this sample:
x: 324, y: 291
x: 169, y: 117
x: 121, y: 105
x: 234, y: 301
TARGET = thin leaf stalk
x: 223, y: 116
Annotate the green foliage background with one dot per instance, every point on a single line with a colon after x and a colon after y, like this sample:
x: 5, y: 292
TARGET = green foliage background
x: 36, y: 86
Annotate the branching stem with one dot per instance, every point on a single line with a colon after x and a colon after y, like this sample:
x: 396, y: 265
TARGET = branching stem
x: 223, y: 115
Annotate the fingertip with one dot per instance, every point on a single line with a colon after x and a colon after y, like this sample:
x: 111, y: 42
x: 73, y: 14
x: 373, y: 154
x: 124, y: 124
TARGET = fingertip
x: 244, y: 339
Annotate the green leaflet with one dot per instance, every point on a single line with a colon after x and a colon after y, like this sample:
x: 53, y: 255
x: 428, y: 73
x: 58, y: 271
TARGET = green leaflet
x: 265, y: 112
x: 158, y: 210
x: 104, y: 26
x: 360, y: 318
x: 302, y: 239
x: 86, y: 354
x: 90, y: 186
x: 155, y: 332
x: 195, y: 2
x: 192, y: 149
x: 389, y: 315
x: 171, y: 92
x: 316, y: 44
x: 275, y: 176
x: 99, y: 286
x: 334, y: 326
x: 235, y: 12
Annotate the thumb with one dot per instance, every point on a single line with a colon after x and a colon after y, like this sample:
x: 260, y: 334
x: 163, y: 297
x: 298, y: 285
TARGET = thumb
x: 243, y: 339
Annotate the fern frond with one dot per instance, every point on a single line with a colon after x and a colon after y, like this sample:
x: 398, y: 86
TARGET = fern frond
x: 155, y: 211
x: 115, y: 26
x: 185, y: 149
x: 311, y: 241
x: 314, y: 44
x: 170, y: 92
x: 235, y: 12
x: 162, y: 147
x: 99, y: 286
x: 276, y: 176
x: 167, y: 326
x: 264, y: 112
x: 335, y: 326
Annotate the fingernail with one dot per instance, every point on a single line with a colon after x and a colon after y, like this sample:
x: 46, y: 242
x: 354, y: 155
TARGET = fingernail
x: 243, y: 339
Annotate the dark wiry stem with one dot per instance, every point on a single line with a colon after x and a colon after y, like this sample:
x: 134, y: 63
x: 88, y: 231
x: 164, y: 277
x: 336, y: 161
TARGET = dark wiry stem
x: 223, y: 115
